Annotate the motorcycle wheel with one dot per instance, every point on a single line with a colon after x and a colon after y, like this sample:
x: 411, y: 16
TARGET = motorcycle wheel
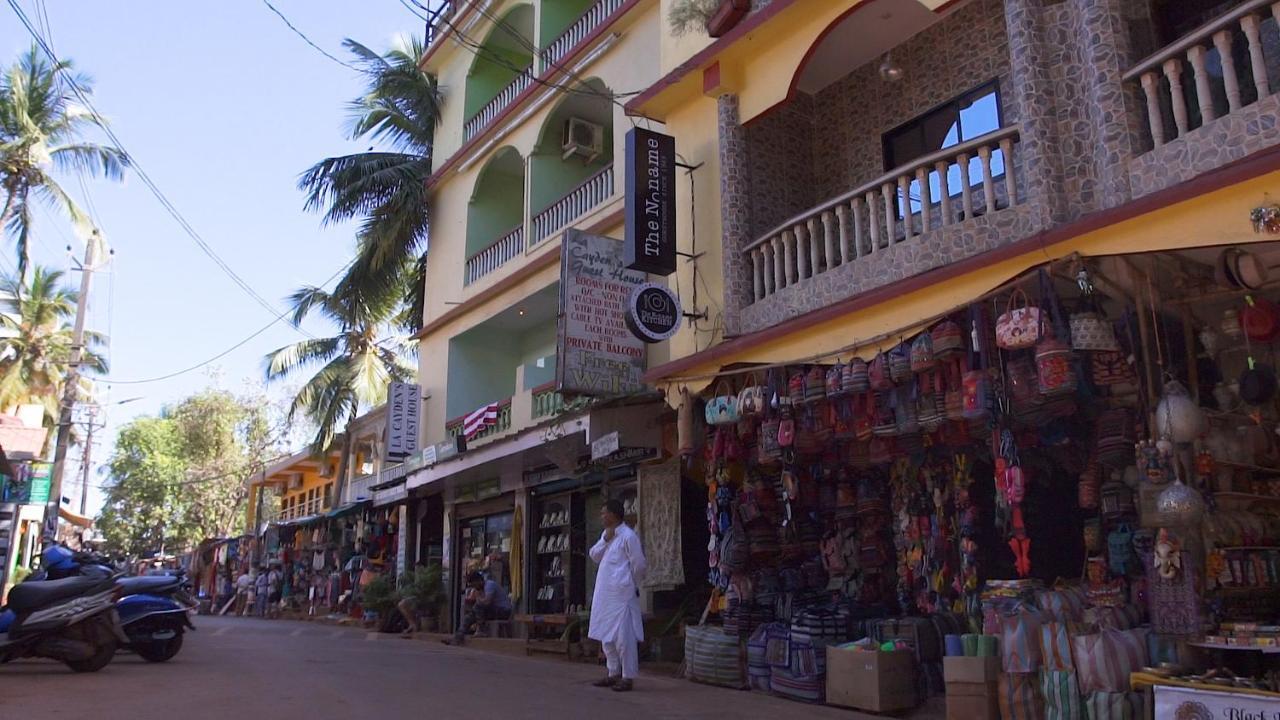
x: 160, y: 650
x: 103, y: 652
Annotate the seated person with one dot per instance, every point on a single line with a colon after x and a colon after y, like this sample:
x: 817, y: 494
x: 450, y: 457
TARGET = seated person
x: 484, y: 600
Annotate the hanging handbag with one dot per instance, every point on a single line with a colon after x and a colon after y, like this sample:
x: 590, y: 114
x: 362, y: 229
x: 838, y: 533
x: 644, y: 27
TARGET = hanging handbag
x: 815, y: 385
x: 796, y: 389
x: 953, y: 394
x: 1092, y: 332
x: 948, y: 339
x: 976, y: 383
x: 752, y: 399
x: 1018, y: 327
x: 723, y: 408
x: 884, y: 424
x: 878, y: 373
x: 854, y: 377
x: 922, y: 359
x: 835, y: 381
x: 1054, y: 372
x: 900, y: 363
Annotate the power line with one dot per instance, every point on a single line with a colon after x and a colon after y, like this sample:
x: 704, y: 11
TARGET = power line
x: 220, y: 355
x: 142, y: 174
x: 306, y: 39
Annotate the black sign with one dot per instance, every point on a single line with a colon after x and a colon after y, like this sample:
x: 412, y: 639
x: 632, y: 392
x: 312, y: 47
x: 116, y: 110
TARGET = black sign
x: 653, y: 313
x: 651, y: 202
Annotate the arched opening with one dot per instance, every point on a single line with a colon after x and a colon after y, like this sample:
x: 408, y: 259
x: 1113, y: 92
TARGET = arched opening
x: 558, y: 15
x: 502, y: 67
x: 571, y: 167
x: 495, y: 214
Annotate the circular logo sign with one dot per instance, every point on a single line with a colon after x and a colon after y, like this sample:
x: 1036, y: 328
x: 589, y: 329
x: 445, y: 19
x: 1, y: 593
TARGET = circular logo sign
x: 653, y: 313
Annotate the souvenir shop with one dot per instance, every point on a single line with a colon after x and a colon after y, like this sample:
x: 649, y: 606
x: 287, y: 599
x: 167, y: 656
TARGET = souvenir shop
x: 327, y: 559
x: 484, y: 527
x: 1059, y: 500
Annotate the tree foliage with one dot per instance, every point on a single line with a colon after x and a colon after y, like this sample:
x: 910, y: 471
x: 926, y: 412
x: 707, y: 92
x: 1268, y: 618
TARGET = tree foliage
x: 179, y: 478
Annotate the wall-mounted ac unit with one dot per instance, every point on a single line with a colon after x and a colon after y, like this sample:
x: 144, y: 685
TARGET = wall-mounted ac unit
x: 583, y: 138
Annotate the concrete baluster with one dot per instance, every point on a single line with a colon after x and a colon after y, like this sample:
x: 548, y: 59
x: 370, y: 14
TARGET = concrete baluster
x: 1155, y: 121
x: 1222, y: 41
x: 1204, y: 94
x: 1249, y: 24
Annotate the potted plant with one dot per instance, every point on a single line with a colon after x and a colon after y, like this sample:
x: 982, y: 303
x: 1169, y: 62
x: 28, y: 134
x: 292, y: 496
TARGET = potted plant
x: 715, y: 17
x: 424, y: 586
x: 379, y: 596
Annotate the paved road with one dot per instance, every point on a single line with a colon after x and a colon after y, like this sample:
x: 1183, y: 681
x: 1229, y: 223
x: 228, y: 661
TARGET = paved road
x: 242, y: 668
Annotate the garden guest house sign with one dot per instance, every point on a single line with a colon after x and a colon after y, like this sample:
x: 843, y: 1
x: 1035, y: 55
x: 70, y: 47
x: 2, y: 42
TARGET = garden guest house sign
x: 595, y: 352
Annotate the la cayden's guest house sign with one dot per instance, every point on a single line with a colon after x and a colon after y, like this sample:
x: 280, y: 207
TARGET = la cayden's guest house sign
x: 596, y: 353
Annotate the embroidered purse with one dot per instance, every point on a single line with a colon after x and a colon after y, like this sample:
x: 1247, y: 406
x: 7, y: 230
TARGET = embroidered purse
x: 1019, y: 326
x: 854, y: 376
x: 723, y: 408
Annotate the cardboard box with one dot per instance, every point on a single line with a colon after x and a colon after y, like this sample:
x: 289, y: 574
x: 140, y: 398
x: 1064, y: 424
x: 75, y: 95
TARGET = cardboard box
x: 970, y: 669
x: 972, y: 707
x: 875, y: 681
x: 991, y: 688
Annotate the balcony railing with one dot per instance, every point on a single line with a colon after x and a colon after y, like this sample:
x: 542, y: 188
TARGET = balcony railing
x: 1161, y: 75
x: 438, y: 20
x: 578, y: 202
x: 360, y: 486
x: 882, y: 213
x: 494, y: 107
x: 549, y: 403
x: 455, y: 427
x: 496, y: 255
x: 577, y: 32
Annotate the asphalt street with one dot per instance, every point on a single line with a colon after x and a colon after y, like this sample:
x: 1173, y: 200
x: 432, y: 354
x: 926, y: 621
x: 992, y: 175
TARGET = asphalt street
x: 246, y: 668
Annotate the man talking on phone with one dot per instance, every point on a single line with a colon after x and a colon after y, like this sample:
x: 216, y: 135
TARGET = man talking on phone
x: 615, y: 606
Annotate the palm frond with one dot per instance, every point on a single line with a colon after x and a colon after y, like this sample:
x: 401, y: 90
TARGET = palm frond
x: 90, y: 159
x: 289, y: 358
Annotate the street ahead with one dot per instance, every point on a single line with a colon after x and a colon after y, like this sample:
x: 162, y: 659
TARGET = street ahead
x: 243, y: 668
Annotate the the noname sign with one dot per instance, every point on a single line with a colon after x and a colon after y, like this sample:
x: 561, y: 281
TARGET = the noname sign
x: 403, y: 400
x: 650, y: 202
x: 595, y: 352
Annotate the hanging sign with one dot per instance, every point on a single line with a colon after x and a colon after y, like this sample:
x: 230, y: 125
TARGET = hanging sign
x: 604, y: 445
x: 595, y: 352
x: 403, y: 401
x: 653, y: 313
x: 1177, y: 702
x: 650, y: 202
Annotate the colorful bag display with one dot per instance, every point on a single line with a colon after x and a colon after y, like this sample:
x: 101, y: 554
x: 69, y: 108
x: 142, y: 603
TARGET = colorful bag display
x: 1062, y: 699
x: 854, y: 377
x: 723, y: 408
x: 1055, y: 373
x: 1020, y: 697
x: 1055, y: 646
x: 922, y: 359
x: 752, y: 399
x: 878, y: 373
x: 712, y: 657
x: 1020, y: 642
x: 1092, y: 332
x: 899, y: 359
x: 1113, y: 706
x: 1020, y: 325
x: 948, y: 339
x: 1105, y: 660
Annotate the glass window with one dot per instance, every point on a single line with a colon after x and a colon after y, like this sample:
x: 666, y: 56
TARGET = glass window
x: 968, y: 116
x: 328, y: 495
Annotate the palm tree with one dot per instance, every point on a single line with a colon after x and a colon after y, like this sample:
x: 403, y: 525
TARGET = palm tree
x: 355, y: 365
x: 384, y: 189
x: 41, y: 127
x: 36, y: 344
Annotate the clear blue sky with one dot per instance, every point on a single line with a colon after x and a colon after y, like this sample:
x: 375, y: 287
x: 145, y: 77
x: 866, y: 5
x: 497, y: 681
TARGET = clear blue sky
x: 223, y: 106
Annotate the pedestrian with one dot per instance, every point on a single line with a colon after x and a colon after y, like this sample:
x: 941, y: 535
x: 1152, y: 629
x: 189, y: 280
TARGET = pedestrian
x: 615, y: 606
x: 485, y: 600
x: 262, y: 590
x: 273, y: 592
x: 244, y: 587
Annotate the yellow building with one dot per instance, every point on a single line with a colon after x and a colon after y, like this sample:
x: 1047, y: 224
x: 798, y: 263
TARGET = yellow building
x: 1024, y: 129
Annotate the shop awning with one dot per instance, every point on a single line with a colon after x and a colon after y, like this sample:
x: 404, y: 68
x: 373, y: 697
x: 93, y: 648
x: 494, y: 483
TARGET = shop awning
x: 347, y: 509
x: 1172, y: 219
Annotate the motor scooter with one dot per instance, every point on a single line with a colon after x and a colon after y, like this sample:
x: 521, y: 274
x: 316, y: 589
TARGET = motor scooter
x: 73, y: 621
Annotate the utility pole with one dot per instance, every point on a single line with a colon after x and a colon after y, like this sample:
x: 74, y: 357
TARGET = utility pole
x: 72, y: 384
x: 92, y: 424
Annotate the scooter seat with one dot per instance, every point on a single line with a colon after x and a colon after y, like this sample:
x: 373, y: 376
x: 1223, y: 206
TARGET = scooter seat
x: 37, y: 594
x: 149, y: 584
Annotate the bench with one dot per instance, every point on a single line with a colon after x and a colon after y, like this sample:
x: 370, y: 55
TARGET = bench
x: 538, y: 624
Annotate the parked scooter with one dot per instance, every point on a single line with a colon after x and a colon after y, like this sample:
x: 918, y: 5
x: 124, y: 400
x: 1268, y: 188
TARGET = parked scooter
x: 153, y: 608
x: 72, y: 621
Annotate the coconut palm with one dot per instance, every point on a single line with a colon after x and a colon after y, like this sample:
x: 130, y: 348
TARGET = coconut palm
x: 36, y: 341
x: 41, y: 131
x: 354, y: 366
x: 384, y: 189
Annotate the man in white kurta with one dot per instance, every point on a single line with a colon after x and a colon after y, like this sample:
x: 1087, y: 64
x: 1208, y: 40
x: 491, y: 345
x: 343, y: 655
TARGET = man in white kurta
x: 615, y: 606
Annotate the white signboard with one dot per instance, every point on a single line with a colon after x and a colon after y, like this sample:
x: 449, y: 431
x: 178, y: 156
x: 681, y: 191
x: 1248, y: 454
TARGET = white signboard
x: 596, y: 353
x: 403, y: 401
x: 1177, y: 702
x: 604, y: 446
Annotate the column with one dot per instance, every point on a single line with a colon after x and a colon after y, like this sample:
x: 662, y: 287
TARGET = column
x: 735, y: 218
x: 1105, y: 49
x: 1031, y: 96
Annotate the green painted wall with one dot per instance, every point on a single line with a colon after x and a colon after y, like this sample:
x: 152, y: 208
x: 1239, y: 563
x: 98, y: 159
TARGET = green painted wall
x: 497, y: 203
x: 551, y: 178
x: 557, y: 16
x: 482, y: 369
x: 488, y: 77
x: 538, y: 344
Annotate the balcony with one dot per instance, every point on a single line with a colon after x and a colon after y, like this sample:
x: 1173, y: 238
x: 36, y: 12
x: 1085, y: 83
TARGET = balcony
x: 439, y: 19
x: 580, y: 201
x: 1207, y: 97
x: 494, y: 107
x: 456, y: 426
x: 509, y: 246
x: 575, y: 34
x: 869, y: 220
x: 547, y: 403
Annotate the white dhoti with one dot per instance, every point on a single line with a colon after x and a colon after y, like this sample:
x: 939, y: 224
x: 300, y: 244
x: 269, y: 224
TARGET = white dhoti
x: 616, y: 620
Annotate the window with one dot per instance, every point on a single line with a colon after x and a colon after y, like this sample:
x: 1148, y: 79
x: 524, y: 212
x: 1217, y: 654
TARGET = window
x: 328, y: 495
x: 968, y: 116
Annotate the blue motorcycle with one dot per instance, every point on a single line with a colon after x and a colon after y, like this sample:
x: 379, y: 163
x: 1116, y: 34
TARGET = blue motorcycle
x: 72, y: 621
x: 153, y: 609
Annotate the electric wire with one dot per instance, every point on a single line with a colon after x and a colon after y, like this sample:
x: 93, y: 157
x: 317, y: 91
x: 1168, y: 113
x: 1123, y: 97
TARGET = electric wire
x: 306, y: 39
x: 164, y: 201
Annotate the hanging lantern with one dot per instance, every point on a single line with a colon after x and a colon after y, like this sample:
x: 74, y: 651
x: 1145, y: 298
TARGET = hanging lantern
x: 1180, y: 505
x: 1178, y: 418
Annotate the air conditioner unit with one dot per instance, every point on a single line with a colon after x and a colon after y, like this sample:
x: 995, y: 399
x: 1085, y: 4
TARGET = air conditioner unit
x: 583, y: 138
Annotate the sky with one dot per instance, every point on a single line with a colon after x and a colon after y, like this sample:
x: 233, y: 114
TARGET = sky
x: 223, y: 106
